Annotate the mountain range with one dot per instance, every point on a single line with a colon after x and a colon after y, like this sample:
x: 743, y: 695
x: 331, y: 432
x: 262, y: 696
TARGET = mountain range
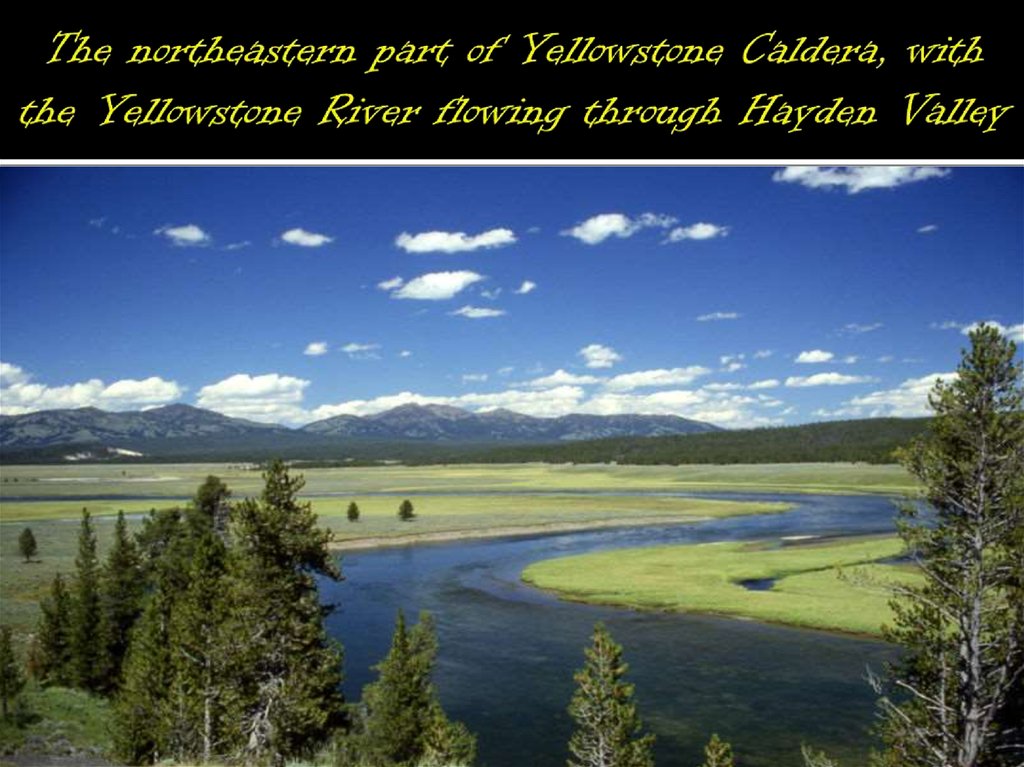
x: 184, y: 430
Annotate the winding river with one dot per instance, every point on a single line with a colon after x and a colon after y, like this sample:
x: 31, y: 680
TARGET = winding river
x: 508, y: 652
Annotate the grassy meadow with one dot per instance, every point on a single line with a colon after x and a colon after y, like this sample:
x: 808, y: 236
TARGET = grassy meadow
x: 835, y: 585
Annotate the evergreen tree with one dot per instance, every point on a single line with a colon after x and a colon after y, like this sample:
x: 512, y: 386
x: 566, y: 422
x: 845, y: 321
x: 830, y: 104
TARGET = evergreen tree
x: 53, y: 662
x: 962, y: 631
x: 608, y: 729
x: 89, y: 664
x: 12, y: 681
x: 27, y: 544
x: 143, y: 719
x: 405, y: 724
x: 198, y: 647
x: 353, y: 512
x: 285, y: 696
x: 717, y: 753
x: 121, y: 596
x: 406, y: 512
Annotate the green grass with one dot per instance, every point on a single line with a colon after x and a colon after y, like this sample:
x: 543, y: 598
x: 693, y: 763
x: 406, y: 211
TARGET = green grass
x: 181, y: 480
x: 56, y: 716
x: 833, y: 586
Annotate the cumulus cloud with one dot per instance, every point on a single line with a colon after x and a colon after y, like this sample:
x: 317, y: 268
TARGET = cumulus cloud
x: 948, y: 325
x: 768, y: 383
x: 187, y: 235
x: 927, y: 229
x: 304, y: 238
x: 699, y: 231
x: 18, y: 394
x: 393, y: 284
x: 856, y: 178
x: 599, y: 228
x: 908, y: 400
x: 661, y: 377
x: 405, y: 353
x: 562, y: 378
x: 436, y: 286
x: 527, y: 287
x: 543, y: 403
x: 491, y: 295
x: 763, y: 354
x: 315, y: 348
x: 715, y: 316
x: 474, y: 377
x: 814, y: 356
x: 1014, y: 332
x: 477, y: 312
x: 453, y: 242
x: 599, y: 356
x: 269, y: 398
x: 826, y: 379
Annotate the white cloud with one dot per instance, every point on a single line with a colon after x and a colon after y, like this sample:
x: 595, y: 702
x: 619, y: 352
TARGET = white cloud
x: 270, y: 398
x: 885, y: 358
x: 315, y: 348
x: 19, y: 395
x: 599, y: 228
x: 856, y: 329
x: 474, y: 377
x: 713, y: 316
x: 908, y: 400
x: 826, y: 379
x: 562, y: 378
x: 656, y: 378
x: 12, y: 374
x: 768, y: 383
x: 305, y: 239
x: 727, y: 359
x: 927, y: 229
x: 453, y: 242
x: 814, y: 356
x: 698, y: 231
x: 526, y: 287
x: 545, y: 403
x: 393, y: 284
x: 437, y: 286
x: 599, y: 356
x: 184, y: 236
x: 491, y: 295
x: 948, y: 325
x: 763, y: 354
x: 507, y: 370
x: 129, y: 394
x: 237, y: 245
x: 732, y: 367
x: 850, y: 359
x: 477, y: 312
x: 361, y: 351
x: 856, y: 178
x: 1014, y: 332
x: 723, y: 387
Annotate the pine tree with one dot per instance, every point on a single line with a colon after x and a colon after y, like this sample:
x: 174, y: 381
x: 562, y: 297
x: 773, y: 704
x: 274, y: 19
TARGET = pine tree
x: 962, y: 631
x: 405, y: 724
x: 27, y: 544
x: 12, y: 680
x: 89, y: 664
x: 285, y: 696
x: 121, y: 590
x: 142, y: 717
x: 406, y: 513
x: 53, y: 663
x: 608, y: 729
x: 353, y: 512
x: 717, y: 753
x: 198, y: 646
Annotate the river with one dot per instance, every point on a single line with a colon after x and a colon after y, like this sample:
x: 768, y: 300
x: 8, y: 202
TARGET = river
x: 508, y: 652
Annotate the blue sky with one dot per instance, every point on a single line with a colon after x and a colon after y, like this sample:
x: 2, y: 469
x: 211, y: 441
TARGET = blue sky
x: 742, y: 296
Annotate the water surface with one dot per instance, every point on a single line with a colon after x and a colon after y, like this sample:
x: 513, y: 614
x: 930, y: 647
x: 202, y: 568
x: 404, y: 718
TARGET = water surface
x: 508, y: 652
